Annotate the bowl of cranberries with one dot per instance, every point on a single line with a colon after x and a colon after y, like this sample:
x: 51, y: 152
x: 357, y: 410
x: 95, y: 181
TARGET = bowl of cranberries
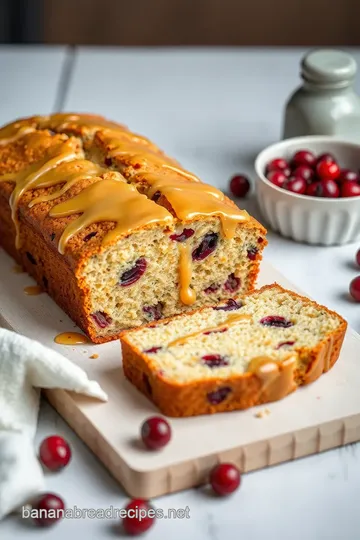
x: 308, y: 189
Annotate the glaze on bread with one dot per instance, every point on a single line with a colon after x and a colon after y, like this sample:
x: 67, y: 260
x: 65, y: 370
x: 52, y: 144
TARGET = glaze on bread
x: 247, y: 352
x: 118, y: 233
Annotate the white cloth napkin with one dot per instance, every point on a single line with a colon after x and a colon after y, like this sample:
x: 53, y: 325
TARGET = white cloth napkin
x: 25, y: 367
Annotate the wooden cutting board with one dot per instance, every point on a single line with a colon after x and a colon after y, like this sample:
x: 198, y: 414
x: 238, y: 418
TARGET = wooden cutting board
x: 320, y: 416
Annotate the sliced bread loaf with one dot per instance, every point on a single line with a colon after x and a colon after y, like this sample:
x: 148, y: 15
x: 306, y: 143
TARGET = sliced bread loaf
x: 254, y: 350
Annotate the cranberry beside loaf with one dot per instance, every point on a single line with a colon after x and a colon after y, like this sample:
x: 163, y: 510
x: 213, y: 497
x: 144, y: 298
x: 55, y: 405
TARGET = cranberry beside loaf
x: 118, y: 233
x: 235, y: 355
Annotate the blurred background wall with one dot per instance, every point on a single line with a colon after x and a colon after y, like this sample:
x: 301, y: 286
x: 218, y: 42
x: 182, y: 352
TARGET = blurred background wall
x: 181, y: 22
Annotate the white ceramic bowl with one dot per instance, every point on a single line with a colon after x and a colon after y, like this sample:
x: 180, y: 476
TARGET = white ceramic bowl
x: 309, y: 219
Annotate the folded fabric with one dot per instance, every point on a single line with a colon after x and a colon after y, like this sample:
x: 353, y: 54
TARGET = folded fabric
x: 26, y: 366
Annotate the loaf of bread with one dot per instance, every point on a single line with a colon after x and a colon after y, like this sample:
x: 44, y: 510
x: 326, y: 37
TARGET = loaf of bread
x: 115, y: 231
x: 235, y: 355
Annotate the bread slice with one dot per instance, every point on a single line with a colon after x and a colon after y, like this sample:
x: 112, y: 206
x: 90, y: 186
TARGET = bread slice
x: 118, y: 233
x: 246, y: 352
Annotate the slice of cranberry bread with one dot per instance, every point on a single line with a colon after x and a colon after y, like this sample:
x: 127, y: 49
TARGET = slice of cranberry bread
x: 115, y: 231
x: 235, y: 355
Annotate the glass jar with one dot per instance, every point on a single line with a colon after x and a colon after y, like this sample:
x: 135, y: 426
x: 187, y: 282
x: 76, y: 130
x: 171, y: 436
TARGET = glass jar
x: 326, y: 103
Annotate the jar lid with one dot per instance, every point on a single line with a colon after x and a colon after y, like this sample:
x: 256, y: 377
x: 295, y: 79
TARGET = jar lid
x: 328, y: 66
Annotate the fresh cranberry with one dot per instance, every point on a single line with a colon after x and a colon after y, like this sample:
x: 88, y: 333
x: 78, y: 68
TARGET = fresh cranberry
x: 303, y: 157
x: 184, y: 235
x: 153, y: 313
x: 152, y: 350
x: 260, y: 240
x: 214, y: 360
x: 350, y: 189
x: 276, y: 320
x: 225, y: 478
x: 296, y: 185
x: 230, y: 305
x: 155, y: 432
x: 327, y: 170
x: 304, y: 172
x: 358, y: 257
x: 232, y: 283
x: 212, y: 288
x: 207, y: 246
x: 140, y: 516
x: 277, y: 164
x: 55, y: 453
x: 101, y: 318
x: 284, y: 343
x: 252, y: 252
x: 239, y: 185
x: 326, y: 157
x: 49, y: 509
x: 219, y: 395
x: 315, y: 189
x: 134, y: 274
x: 355, y: 289
x: 277, y: 178
x: 330, y: 189
x: 346, y: 175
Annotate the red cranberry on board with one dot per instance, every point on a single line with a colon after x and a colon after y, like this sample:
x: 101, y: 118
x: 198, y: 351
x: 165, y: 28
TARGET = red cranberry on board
x: 277, y: 177
x: 327, y: 170
x: 355, y: 288
x: 296, y: 185
x: 277, y: 164
x: 225, y: 478
x: 155, y: 432
x: 239, y: 185
x: 326, y: 157
x: 140, y: 516
x: 54, y: 453
x: 347, y: 175
x: 350, y: 189
x: 48, y: 509
x: 358, y: 257
x: 303, y: 157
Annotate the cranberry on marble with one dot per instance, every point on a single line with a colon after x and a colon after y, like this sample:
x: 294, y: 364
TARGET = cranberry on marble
x: 225, y: 478
x: 155, y: 432
x: 276, y: 320
x: 214, y: 360
x: 206, y: 247
x: 230, y: 305
x: 355, y: 289
x: 239, y: 185
x: 218, y: 396
x: 139, y: 517
x: 55, y: 453
x: 350, y: 189
x: 296, y: 185
x: 134, y: 274
x: 49, y: 508
x: 232, y: 283
x: 183, y: 236
x: 101, y: 318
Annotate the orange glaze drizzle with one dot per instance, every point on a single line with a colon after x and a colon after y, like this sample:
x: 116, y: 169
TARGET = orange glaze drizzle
x: 187, y: 294
x: 109, y: 200
x: 32, y: 176
x: 71, y: 338
x: 33, y: 290
x: 277, y: 378
x: 230, y: 321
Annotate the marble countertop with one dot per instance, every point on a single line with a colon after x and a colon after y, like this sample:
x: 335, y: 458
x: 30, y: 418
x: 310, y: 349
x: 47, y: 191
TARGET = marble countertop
x: 214, y: 110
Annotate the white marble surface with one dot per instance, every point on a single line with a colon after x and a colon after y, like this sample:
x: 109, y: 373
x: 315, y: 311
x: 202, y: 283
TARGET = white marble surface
x: 213, y: 110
